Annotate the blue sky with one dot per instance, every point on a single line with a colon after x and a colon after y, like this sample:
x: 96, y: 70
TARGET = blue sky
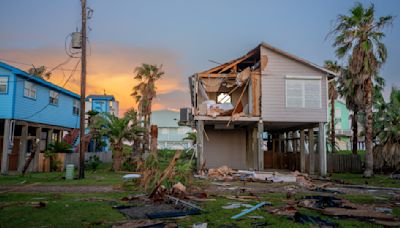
x: 182, y: 35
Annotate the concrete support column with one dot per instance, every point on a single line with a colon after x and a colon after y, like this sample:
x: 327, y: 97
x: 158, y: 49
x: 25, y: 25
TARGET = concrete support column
x: 200, y: 142
x: 6, y: 146
x: 23, y: 148
x: 311, y: 155
x: 322, y: 149
x: 260, y: 145
x: 302, y: 152
x: 35, y: 165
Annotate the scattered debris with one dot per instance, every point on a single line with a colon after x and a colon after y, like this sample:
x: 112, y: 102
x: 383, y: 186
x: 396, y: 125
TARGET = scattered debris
x: 172, y: 214
x: 131, y: 176
x: 200, y: 225
x: 184, y: 203
x: 303, y: 219
x: 236, y: 205
x: 259, y: 224
x: 39, y: 204
x: 144, y: 223
x: 287, y: 210
x: 255, y: 217
x: 250, y: 210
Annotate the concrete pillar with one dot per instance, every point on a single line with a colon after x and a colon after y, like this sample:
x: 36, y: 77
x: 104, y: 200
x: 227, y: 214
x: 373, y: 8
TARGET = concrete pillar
x: 35, y: 163
x: 311, y: 155
x: 302, y: 152
x: 200, y: 141
x: 23, y: 148
x: 260, y: 145
x: 6, y: 146
x: 322, y: 149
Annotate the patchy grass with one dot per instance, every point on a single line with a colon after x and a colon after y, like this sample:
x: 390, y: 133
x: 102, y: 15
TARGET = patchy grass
x: 215, y: 216
x: 62, y: 210
x: 357, y: 179
x: 359, y: 152
x: 102, y: 176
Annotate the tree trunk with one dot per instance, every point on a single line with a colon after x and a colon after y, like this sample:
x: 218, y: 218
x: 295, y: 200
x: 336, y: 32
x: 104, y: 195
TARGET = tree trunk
x: 354, y: 124
x: 333, y: 124
x: 154, y: 136
x: 117, y: 160
x: 369, y: 159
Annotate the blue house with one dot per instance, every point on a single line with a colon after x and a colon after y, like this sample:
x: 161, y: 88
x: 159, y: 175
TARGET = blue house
x: 101, y: 104
x: 33, y: 112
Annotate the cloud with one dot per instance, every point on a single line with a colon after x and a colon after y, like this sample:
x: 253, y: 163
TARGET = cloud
x: 110, y: 70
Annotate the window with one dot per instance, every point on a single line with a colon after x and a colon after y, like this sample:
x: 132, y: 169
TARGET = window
x: 303, y: 92
x: 223, y: 98
x: 29, y: 90
x: 3, y: 84
x: 53, y: 97
x: 75, y: 108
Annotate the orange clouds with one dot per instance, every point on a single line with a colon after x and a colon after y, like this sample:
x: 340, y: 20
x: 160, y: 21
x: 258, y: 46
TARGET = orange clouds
x: 110, y: 70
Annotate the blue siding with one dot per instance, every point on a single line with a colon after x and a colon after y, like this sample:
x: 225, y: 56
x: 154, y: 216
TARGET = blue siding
x: 6, y: 99
x: 40, y: 110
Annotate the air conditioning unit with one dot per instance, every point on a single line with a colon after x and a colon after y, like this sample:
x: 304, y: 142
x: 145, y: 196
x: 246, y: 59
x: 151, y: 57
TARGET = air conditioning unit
x: 185, y: 116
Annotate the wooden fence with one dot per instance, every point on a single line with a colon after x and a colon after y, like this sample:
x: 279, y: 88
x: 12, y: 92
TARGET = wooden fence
x: 73, y: 158
x: 336, y: 163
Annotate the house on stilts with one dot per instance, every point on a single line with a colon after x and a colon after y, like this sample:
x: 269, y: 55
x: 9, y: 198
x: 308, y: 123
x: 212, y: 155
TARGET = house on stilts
x: 264, y: 110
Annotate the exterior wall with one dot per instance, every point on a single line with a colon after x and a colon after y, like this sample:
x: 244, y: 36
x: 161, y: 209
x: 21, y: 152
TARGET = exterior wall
x: 6, y: 99
x: 172, y: 137
x: 170, y: 134
x: 273, y: 104
x: 342, y: 116
x: 40, y: 111
x: 225, y: 147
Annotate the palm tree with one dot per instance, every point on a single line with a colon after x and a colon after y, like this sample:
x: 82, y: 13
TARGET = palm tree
x: 144, y: 93
x: 352, y: 94
x: 40, y: 72
x: 332, y: 94
x: 387, y: 154
x: 117, y: 130
x: 360, y: 34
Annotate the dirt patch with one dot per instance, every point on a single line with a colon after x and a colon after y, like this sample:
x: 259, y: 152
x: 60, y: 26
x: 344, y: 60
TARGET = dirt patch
x: 59, y: 189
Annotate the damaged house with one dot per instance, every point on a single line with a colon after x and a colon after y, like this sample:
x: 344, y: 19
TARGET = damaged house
x: 264, y: 110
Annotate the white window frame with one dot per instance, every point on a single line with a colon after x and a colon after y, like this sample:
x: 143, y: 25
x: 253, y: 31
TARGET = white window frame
x: 76, y: 106
x: 4, y: 82
x: 30, y: 90
x: 303, y: 79
x: 54, y: 97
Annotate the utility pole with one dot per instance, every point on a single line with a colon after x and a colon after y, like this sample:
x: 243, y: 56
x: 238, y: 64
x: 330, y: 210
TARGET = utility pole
x: 83, y: 95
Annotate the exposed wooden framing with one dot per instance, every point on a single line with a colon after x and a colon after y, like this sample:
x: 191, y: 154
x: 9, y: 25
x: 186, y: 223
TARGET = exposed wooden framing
x: 237, y: 61
x: 200, y: 143
x: 21, y: 122
x: 260, y: 150
x: 23, y: 148
x: 311, y: 151
x: 238, y: 101
x: 264, y: 61
x: 302, y: 152
x: 35, y: 166
x: 322, y: 150
x: 6, y: 147
x: 256, y: 93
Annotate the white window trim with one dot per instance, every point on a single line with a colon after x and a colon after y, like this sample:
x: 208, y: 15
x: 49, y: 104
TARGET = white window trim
x: 56, y: 97
x: 33, y: 88
x: 303, y: 77
x: 6, y: 83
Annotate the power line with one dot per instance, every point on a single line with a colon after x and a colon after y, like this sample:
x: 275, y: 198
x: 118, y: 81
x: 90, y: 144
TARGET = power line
x: 30, y: 64
x: 47, y: 105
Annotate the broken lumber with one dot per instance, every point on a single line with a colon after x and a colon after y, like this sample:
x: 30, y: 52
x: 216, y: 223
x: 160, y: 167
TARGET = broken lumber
x: 167, y: 172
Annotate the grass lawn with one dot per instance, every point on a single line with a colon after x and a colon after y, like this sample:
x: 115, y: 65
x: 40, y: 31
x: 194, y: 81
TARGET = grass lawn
x: 102, y: 176
x: 80, y: 210
x: 376, y: 180
x: 62, y: 210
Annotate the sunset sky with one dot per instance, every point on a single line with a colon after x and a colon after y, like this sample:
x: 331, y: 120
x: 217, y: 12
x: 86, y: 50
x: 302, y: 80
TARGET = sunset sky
x: 181, y: 35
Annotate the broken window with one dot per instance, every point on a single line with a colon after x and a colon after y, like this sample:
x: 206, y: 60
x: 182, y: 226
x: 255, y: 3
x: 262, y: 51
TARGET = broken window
x: 224, y: 98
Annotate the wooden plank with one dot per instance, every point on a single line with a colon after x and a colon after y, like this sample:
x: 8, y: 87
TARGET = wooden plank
x: 311, y: 151
x: 256, y: 93
x: 235, y: 62
x: 302, y: 152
